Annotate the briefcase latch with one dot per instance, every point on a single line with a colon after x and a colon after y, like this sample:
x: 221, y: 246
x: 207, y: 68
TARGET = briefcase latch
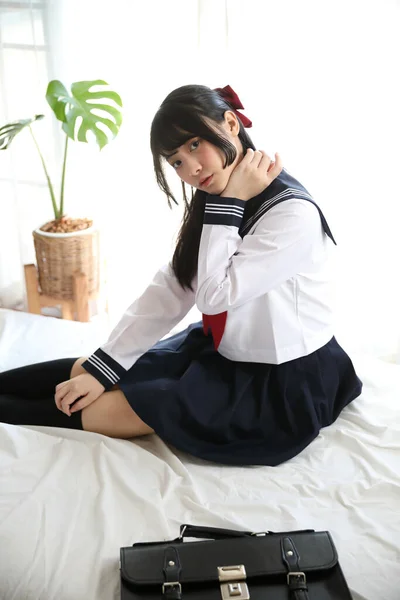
x: 233, y: 586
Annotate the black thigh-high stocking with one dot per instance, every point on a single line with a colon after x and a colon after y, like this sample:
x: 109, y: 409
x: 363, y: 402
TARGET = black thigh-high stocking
x: 21, y: 410
x: 27, y: 395
x: 37, y: 380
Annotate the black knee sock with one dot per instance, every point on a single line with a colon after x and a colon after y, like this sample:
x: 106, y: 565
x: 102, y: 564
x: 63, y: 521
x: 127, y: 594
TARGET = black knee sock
x: 37, y: 380
x: 18, y: 410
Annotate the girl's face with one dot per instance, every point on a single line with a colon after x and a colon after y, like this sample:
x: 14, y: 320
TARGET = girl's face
x: 200, y: 164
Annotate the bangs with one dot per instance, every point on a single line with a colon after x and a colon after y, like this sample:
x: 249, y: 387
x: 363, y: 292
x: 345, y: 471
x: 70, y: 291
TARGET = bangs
x: 173, y: 126
x: 169, y: 136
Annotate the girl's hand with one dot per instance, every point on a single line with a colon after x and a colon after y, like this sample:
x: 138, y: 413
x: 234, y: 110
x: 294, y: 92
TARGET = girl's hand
x: 252, y: 175
x: 85, y: 386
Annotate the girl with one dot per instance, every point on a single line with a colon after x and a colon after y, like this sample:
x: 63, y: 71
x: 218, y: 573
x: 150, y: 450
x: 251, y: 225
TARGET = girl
x: 257, y: 379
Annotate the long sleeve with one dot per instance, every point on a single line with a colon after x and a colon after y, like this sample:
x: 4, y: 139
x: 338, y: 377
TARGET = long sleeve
x: 160, y: 308
x: 232, y: 270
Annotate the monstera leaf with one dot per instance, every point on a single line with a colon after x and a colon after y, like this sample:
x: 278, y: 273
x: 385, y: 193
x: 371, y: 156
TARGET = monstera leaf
x: 81, y: 103
x: 8, y: 132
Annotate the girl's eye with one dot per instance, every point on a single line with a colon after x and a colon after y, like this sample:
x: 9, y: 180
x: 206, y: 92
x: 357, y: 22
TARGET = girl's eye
x: 193, y: 146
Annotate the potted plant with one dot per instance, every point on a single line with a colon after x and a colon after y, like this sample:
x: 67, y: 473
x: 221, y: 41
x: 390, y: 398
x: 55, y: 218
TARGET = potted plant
x: 64, y: 245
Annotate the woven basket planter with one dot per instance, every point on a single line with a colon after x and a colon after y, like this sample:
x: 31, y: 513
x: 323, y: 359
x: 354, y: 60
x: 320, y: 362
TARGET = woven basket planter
x: 60, y: 255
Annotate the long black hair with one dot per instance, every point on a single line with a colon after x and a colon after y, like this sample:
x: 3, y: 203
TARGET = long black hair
x: 182, y: 116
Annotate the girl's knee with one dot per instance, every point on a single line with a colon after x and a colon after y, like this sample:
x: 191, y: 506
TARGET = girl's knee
x: 77, y: 368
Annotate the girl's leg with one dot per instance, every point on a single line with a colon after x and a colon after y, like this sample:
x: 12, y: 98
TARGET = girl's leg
x: 27, y: 395
x: 20, y: 410
x: 112, y: 415
x: 37, y: 380
x: 27, y: 398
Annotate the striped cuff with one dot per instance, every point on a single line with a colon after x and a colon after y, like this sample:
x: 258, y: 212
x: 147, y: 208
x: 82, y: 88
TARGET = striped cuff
x: 104, y: 368
x: 223, y: 211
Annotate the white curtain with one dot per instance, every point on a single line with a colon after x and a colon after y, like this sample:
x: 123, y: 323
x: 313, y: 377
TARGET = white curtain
x: 319, y: 81
x: 321, y: 85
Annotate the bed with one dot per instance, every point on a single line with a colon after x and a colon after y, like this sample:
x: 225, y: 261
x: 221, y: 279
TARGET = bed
x: 70, y: 499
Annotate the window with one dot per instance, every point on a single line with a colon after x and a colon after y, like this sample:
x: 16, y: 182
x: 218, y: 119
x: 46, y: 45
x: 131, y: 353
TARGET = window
x: 23, y: 82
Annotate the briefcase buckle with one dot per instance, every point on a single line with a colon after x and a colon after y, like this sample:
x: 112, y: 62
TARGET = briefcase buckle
x: 171, y: 584
x: 232, y: 583
x: 299, y: 577
x: 237, y: 590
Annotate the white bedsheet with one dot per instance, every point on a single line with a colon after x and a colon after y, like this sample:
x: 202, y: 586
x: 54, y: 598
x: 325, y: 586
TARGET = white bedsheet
x: 70, y: 499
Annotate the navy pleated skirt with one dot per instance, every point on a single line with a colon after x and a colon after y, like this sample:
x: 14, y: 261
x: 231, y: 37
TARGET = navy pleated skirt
x: 237, y: 413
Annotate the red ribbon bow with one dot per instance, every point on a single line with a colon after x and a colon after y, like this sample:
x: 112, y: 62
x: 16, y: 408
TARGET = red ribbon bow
x: 230, y: 96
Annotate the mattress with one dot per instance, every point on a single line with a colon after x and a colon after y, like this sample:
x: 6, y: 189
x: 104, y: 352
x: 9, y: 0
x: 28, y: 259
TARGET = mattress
x: 70, y: 499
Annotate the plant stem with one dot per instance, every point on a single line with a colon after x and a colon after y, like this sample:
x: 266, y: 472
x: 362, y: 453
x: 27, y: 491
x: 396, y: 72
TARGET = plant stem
x: 63, y: 177
x: 51, y: 189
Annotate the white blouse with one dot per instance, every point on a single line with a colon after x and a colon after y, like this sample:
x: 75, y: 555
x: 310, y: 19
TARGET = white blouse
x: 274, y: 284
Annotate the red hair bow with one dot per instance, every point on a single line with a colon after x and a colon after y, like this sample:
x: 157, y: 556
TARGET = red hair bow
x: 230, y: 96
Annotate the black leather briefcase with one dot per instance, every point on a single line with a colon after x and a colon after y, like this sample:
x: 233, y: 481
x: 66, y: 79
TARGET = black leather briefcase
x: 234, y: 565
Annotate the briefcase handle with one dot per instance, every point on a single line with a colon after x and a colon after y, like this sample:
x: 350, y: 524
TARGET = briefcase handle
x: 213, y: 533
x: 216, y: 533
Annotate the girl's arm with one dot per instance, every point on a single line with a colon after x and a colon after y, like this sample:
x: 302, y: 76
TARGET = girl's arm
x: 232, y: 270
x: 160, y: 308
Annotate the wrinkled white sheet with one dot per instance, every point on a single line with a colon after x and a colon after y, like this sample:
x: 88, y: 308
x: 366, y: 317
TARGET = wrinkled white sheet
x: 70, y: 499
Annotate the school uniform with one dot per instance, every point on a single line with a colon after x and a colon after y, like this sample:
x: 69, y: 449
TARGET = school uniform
x: 262, y: 374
